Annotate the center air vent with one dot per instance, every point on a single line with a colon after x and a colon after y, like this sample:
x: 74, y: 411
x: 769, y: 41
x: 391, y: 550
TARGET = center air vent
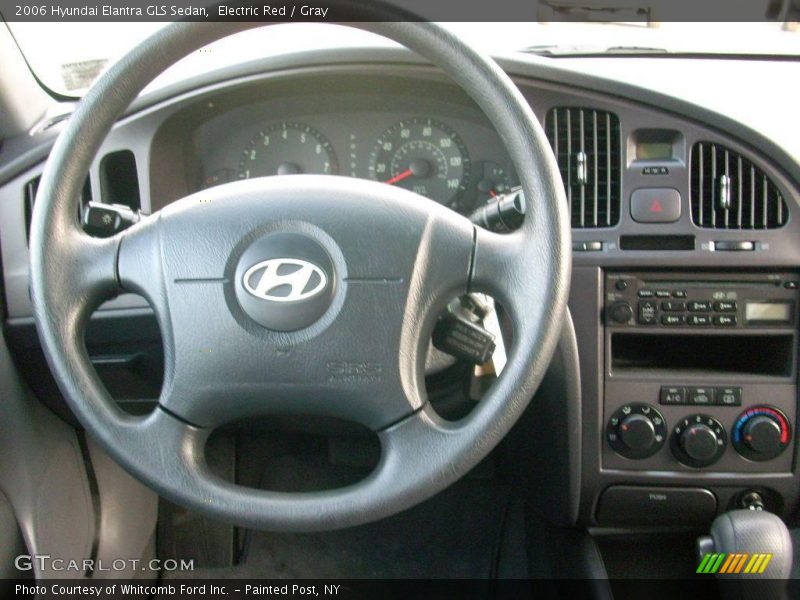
x: 586, y: 144
x: 730, y: 192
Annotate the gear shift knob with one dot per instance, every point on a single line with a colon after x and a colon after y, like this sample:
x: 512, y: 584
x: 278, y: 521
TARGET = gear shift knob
x: 749, y: 534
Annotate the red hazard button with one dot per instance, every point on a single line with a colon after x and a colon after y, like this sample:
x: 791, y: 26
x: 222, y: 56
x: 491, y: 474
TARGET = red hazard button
x: 656, y: 205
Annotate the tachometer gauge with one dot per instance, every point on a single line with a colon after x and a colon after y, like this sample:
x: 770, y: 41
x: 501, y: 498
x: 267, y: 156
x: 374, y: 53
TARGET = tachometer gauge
x: 425, y: 157
x: 287, y: 149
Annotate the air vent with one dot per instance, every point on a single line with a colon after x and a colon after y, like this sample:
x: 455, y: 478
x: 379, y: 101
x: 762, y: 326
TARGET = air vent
x: 730, y: 192
x: 586, y: 144
x: 29, y: 199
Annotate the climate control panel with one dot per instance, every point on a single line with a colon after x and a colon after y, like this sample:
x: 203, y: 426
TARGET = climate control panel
x: 699, y: 427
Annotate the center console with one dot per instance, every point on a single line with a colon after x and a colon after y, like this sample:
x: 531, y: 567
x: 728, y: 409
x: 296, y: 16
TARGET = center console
x: 700, y: 371
x: 698, y: 389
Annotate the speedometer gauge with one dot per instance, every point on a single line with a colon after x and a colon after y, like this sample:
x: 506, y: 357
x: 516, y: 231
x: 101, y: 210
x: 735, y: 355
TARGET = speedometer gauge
x: 425, y: 157
x: 287, y: 149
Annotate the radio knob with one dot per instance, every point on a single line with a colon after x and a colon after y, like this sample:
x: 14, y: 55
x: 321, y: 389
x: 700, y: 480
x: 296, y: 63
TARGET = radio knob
x: 620, y: 312
x: 699, y: 442
x: 637, y: 432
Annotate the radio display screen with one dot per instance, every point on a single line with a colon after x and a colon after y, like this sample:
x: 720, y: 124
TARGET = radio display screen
x: 772, y: 312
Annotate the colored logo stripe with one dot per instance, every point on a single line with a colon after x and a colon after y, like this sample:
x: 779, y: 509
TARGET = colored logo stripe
x: 734, y: 563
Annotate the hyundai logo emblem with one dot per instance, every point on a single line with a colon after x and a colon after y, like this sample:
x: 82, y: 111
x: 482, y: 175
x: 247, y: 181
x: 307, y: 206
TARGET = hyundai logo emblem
x: 284, y: 280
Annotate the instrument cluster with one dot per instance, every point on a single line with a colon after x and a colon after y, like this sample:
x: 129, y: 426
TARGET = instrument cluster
x: 458, y: 162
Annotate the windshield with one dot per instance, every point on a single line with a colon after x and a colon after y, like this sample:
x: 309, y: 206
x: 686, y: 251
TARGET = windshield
x: 75, y: 54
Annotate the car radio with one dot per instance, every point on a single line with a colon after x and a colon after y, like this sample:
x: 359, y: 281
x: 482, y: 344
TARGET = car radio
x: 700, y: 371
x: 730, y: 302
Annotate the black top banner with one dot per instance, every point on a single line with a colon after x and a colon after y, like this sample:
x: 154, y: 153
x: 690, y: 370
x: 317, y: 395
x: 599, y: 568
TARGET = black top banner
x: 641, y: 11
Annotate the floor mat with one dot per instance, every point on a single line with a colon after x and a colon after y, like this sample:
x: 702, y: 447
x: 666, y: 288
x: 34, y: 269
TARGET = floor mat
x: 456, y: 534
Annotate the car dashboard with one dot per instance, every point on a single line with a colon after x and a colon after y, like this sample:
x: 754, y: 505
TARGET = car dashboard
x: 686, y: 243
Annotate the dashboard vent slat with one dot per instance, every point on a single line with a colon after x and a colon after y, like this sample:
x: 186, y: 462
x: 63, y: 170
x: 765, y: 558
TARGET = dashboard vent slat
x: 729, y: 192
x: 586, y: 143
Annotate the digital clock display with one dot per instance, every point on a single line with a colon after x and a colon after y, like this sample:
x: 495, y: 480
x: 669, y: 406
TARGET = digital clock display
x: 653, y: 151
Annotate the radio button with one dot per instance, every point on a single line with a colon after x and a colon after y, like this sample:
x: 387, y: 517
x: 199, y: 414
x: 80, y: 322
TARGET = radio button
x: 725, y: 320
x: 725, y: 306
x: 699, y: 320
x: 648, y: 312
x: 699, y: 306
x: 662, y: 294
x: 701, y: 395
x: 673, y: 395
x: 672, y: 320
x: 679, y: 293
x: 673, y: 306
x: 646, y: 293
x: 729, y: 396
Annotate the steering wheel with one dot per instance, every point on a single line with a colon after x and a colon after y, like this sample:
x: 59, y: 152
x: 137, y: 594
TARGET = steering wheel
x: 299, y: 294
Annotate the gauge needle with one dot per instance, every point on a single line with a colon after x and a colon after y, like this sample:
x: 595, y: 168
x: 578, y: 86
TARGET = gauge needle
x: 399, y: 177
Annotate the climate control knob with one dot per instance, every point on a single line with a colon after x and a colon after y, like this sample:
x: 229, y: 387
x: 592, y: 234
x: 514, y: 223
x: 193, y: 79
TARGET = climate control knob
x: 636, y: 431
x: 761, y: 433
x: 698, y: 441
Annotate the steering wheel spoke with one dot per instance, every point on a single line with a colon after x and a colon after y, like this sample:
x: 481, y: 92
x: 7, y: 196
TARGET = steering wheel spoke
x: 78, y: 274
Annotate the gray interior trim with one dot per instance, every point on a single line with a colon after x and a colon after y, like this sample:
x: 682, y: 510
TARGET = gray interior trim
x: 42, y: 474
x: 128, y: 515
x: 11, y: 543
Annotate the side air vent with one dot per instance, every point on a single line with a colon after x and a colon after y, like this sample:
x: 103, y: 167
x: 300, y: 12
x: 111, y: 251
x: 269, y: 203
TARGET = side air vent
x: 587, y: 147
x: 29, y: 199
x: 730, y: 192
